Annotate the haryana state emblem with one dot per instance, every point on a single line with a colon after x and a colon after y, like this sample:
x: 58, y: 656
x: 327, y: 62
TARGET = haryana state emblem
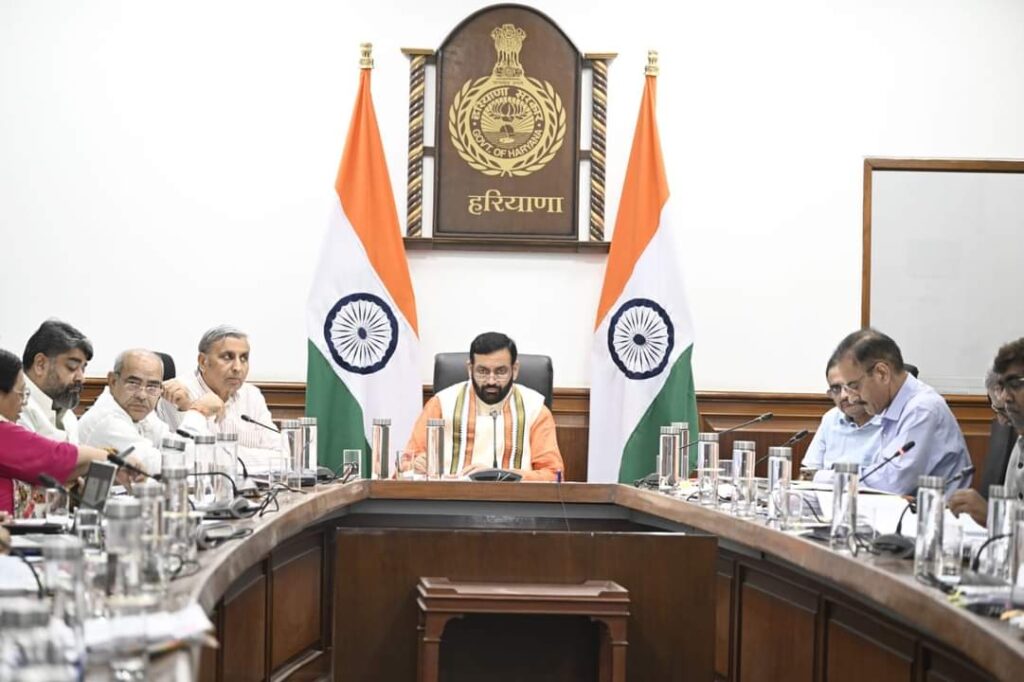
x: 507, y: 124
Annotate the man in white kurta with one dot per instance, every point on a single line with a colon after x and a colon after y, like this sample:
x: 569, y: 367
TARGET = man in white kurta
x: 489, y: 420
x: 124, y: 414
x: 223, y: 366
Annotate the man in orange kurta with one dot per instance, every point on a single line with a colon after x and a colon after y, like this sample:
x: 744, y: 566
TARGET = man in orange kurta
x: 489, y: 420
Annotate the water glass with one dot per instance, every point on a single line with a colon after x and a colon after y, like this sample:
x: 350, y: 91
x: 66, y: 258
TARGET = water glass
x: 952, y: 555
x: 277, y: 469
x: 708, y: 468
x: 744, y: 496
x: 57, y: 506
x: 791, y: 509
x: 352, y: 461
x: 87, y: 527
x: 725, y: 476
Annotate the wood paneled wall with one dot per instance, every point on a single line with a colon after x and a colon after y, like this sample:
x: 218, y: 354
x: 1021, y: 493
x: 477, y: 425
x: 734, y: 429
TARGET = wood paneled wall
x: 718, y: 411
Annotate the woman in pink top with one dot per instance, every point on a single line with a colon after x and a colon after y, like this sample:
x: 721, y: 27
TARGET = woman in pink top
x: 25, y: 455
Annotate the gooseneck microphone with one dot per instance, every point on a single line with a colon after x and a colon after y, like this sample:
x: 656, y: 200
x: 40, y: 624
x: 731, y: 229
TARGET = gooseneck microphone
x: 120, y: 461
x: 494, y: 434
x: 760, y: 418
x: 966, y: 471
x: 795, y: 438
x: 247, y: 418
x: 51, y: 482
x: 899, y: 453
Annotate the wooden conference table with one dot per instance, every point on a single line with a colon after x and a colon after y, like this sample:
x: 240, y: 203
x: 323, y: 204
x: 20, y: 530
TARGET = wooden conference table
x: 326, y: 588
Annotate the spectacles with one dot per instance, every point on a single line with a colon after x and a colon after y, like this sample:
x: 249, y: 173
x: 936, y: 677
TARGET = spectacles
x: 854, y: 386
x: 24, y: 397
x: 133, y: 385
x: 498, y: 373
x: 1010, y: 384
x: 834, y: 390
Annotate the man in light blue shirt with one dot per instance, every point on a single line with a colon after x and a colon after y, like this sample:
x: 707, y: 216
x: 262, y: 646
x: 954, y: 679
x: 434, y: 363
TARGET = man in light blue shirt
x: 847, y: 432
x: 871, y: 371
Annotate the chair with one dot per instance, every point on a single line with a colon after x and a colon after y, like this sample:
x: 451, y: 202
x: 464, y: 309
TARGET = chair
x: 169, y: 370
x: 535, y: 372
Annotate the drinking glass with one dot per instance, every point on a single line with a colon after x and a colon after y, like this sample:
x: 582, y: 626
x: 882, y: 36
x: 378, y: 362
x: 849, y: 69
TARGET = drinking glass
x: 56, y: 506
x: 87, y: 527
x: 952, y: 554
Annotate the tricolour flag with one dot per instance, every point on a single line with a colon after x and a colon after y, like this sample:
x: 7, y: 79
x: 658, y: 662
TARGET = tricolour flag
x: 640, y: 362
x: 361, y: 317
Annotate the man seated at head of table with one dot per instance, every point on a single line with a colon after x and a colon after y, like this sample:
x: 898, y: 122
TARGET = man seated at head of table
x: 24, y: 454
x: 847, y: 432
x: 871, y: 373
x: 124, y: 414
x: 1009, y: 394
x: 489, y: 417
x: 223, y: 365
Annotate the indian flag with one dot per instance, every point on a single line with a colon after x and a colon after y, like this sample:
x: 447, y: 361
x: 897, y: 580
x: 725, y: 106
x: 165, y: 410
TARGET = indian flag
x: 640, y: 362
x: 361, y: 317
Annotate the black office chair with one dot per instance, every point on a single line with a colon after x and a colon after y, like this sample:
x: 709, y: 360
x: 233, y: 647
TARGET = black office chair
x: 912, y: 369
x: 169, y: 371
x: 534, y: 372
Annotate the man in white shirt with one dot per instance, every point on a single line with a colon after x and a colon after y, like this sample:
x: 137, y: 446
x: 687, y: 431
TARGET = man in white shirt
x: 223, y: 367
x: 124, y: 414
x: 54, y: 362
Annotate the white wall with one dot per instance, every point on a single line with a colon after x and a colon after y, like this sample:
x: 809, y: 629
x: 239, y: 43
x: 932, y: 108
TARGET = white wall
x: 168, y: 166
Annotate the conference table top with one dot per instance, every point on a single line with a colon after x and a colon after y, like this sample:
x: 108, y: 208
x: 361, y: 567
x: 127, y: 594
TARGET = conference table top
x: 886, y: 582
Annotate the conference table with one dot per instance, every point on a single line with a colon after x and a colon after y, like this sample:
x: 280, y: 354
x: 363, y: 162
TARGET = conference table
x: 325, y: 588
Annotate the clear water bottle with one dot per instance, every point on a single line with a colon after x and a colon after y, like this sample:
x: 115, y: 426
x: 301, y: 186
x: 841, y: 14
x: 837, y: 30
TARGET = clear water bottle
x: 154, y: 571
x: 204, y: 483
x: 843, y: 534
x: 309, y: 443
x: 668, y: 452
x: 65, y: 579
x: 227, y: 455
x: 928, y: 546
x: 124, y: 543
x: 380, y: 446
x: 780, y: 471
x: 291, y: 432
x: 707, y: 468
x: 172, y: 452
x: 179, y: 541
x: 435, y: 449
x: 995, y: 558
x: 744, y: 496
x: 682, y: 469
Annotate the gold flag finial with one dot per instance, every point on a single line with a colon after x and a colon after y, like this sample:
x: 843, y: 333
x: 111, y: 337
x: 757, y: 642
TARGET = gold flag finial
x: 366, y: 58
x: 652, y: 63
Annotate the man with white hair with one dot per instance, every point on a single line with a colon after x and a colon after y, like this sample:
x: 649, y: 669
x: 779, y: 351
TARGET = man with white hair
x: 124, y: 414
x: 223, y: 365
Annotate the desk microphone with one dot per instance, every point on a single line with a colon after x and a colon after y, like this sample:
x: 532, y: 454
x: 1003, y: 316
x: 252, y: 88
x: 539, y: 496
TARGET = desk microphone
x: 494, y: 434
x: 120, y: 461
x: 761, y: 418
x: 247, y: 418
x: 902, y: 451
x: 966, y: 471
x: 795, y: 438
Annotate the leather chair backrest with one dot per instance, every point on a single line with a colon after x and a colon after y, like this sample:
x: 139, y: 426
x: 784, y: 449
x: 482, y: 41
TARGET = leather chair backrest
x: 169, y: 369
x: 535, y: 372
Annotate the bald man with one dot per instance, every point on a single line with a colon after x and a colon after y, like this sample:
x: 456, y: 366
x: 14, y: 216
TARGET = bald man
x: 124, y: 414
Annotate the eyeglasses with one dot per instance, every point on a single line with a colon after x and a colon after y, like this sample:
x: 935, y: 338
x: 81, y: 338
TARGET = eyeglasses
x: 483, y: 373
x: 133, y: 385
x: 834, y: 390
x: 855, y: 385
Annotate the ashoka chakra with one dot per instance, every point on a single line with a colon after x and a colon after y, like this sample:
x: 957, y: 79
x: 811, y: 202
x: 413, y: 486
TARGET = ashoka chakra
x: 640, y: 338
x: 361, y: 333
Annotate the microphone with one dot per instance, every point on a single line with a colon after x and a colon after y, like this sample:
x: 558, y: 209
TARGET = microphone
x: 120, y: 461
x: 795, y: 438
x: 247, y: 418
x: 902, y: 451
x: 237, y: 508
x: 966, y: 471
x: 494, y: 434
x: 760, y: 418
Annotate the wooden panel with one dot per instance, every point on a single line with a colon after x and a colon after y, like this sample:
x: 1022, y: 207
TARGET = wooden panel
x: 724, y: 585
x: 859, y: 647
x: 777, y: 629
x: 245, y: 628
x: 296, y: 578
x: 938, y: 667
x: 671, y: 628
x: 208, y: 656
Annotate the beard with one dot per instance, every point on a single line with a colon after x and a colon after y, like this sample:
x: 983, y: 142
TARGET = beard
x: 492, y: 395
x: 64, y: 397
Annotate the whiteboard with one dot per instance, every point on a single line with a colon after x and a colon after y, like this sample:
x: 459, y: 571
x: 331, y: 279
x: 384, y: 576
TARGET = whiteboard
x: 947, y: 268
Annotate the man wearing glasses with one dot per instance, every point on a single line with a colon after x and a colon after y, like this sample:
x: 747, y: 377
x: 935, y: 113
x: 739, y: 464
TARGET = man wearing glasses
x: 490, y: 419
x: 124, y: 413
x: 872, y: 374
x: 847, y: 432
x: 1007, y: 393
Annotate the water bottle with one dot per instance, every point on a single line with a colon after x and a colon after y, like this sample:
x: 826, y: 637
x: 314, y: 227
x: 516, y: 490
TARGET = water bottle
x: 843, y: 534
x: 928, y: 547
